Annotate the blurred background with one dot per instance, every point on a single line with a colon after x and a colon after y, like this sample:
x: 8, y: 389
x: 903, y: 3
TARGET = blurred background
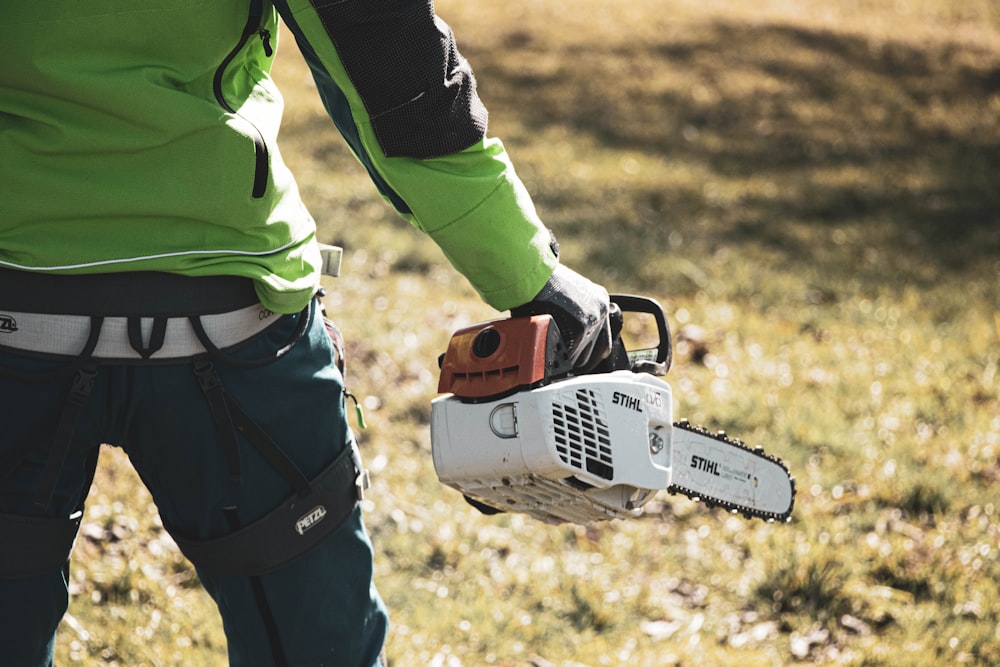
x: 812, y: 191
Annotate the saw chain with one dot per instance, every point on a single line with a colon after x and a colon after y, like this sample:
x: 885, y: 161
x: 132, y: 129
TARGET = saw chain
x: 746, y: 512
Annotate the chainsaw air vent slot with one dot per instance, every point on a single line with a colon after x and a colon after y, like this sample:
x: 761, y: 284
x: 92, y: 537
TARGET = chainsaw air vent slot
x: 577, y: 484
x: 581, y: 434
x: 485, y: 375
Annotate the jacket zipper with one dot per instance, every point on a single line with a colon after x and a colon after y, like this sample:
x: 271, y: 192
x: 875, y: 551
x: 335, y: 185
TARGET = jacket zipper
x: 253, y: 27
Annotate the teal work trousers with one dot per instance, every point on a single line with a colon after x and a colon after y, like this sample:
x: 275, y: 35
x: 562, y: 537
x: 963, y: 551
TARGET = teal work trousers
x: 319, y: 609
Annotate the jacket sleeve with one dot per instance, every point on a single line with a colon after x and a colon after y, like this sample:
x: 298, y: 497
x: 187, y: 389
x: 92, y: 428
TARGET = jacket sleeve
x: 405, y: 100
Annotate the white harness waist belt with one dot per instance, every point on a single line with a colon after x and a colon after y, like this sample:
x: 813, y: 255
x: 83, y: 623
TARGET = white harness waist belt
x: 130, y: 338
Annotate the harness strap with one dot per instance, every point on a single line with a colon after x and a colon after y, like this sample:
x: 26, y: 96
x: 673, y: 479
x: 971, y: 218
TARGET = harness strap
x: 267, y: 448
x: 216, y: 353
x: 211, y: 386
x: 229, y: 420
x: 133, y: 293
x: 316, y: 507
x: 263, y: 604
x: 157, y: 336
x: 299, y: 524
x: 79, y: 394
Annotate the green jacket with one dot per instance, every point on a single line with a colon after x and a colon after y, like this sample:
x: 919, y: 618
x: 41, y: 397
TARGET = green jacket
x: 142, y: 136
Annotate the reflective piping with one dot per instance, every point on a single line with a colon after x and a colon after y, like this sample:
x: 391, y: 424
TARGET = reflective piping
x: 67, y: 334
x: 143, y: 258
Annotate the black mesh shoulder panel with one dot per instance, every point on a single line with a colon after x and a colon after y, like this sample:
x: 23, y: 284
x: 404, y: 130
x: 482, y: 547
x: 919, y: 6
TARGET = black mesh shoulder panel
x: 419, y: 91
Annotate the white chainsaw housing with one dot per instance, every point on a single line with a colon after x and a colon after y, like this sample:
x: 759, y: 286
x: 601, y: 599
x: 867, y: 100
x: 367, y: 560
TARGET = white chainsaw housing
x: 583, y: 449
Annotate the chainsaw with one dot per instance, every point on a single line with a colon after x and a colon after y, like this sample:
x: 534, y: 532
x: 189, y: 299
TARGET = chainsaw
x: 516, y: 429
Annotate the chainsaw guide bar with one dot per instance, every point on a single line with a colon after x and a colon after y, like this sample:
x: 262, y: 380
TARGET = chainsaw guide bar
x: 770, y: 515
x: 515, y: 430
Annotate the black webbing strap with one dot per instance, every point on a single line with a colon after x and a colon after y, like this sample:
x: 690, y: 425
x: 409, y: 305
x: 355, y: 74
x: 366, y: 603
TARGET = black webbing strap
x: 221, y: 355
x: 229, y: 420
x: 299, y: 524
x: 157, y: 336
x: 214, y: 392
x: 263, y: 605
x: 315, y: 509
x: 79, y: 394
x: 76, y: 401
x: 13, y: 460
x: 267, y: 448
x: 132, y: 293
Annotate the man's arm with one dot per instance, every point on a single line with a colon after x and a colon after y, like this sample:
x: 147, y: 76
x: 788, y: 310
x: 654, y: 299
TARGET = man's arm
x: 404, y: 99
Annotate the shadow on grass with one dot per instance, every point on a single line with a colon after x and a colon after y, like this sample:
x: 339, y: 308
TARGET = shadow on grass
x: 899, y: 142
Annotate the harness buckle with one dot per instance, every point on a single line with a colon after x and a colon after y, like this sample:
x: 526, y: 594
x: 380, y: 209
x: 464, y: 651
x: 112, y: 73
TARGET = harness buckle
x: 83, y: 385
x: 362, y: 483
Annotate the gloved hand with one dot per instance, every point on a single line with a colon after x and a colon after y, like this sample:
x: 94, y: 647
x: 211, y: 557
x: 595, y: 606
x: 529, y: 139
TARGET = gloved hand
x: 580, y: 308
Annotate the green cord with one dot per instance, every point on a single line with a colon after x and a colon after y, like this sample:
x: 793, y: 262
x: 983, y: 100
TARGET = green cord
x: 358, y: 412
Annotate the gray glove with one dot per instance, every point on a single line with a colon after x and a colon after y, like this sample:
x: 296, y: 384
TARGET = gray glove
x: 581, y: 310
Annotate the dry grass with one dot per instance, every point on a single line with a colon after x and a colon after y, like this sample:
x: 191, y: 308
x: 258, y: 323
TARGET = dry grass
x: 814, y: 185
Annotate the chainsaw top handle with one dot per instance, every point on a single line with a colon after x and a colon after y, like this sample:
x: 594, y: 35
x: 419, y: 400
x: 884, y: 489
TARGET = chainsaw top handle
x: 655, y: 361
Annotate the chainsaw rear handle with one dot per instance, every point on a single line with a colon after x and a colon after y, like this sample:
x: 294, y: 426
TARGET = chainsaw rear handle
x: 497, y: 358
x: 631, y: 303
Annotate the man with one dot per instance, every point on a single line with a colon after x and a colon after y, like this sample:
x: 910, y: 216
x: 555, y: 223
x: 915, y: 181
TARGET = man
x: 158, y: 282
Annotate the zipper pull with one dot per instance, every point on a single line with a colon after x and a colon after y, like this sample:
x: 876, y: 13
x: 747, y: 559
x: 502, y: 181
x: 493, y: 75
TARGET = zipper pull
x: 358, y: 412
x: 265, y: 38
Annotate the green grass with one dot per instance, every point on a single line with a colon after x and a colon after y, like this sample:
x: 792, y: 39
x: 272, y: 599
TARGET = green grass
x: 813, y: 185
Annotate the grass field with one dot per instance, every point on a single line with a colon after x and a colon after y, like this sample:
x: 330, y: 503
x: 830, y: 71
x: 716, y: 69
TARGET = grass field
x: 812, y: 190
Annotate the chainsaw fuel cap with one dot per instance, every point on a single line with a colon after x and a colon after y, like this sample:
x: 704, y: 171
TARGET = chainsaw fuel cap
x: 486, y: 343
